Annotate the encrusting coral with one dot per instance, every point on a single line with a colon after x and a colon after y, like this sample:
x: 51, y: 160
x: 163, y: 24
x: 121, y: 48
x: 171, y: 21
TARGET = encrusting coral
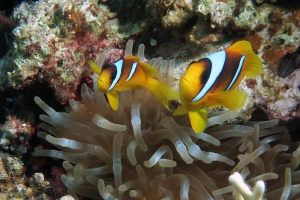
x: 140, y: 151
x: 53, y: 41
x: 14, y: 184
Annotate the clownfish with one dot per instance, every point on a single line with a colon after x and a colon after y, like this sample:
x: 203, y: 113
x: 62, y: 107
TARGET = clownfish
x: 131, y: 74
x: 212, y: 81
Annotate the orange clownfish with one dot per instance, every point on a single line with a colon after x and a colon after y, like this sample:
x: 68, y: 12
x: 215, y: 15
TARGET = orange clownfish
x: 130, y: 74
x: 212, y: 81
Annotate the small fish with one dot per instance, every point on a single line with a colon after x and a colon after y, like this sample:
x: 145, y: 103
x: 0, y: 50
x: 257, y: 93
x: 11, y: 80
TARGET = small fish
x: 212, y: 81
x: 131, y: 74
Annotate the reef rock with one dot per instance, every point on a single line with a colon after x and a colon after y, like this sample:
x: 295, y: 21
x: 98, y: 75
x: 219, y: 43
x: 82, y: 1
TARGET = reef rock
x: 54, y: 40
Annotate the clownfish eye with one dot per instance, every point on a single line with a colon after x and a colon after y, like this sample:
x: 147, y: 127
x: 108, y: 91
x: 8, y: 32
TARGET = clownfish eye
x: 113, y: 75
x: 104, y: 67
x: 204, y: 76
x: 111, y: 71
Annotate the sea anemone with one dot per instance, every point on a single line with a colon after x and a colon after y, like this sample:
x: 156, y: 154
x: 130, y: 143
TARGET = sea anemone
x: 141, y: 151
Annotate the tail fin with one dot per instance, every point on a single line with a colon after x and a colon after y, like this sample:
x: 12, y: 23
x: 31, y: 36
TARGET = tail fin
x: 252, y: 64
x: 161, y: 91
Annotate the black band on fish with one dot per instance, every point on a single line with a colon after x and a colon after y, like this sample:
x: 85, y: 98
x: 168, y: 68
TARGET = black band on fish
x: 119, y: 66
x: 238, y: 71
x: 132, y: 70
x: 217, y: 59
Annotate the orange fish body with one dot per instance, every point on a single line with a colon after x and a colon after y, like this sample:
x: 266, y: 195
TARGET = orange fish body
x: 212, y: 81
x: 130, y: 74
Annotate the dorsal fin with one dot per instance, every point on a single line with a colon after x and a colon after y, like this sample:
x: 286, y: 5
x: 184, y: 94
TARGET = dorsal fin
x: 95, y: 68
x: 148, y: 69
x: 252, y: 66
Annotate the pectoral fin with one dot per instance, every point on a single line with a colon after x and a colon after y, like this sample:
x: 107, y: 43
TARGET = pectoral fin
x: 95, y: 68
x: 198, y: 120
x: 252, y: 64
x: 161, y: 91
x: 113, y: 99
x: 232, y: 99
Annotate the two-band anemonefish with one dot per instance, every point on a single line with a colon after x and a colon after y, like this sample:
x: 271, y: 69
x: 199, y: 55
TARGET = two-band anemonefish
x: 130, y: 74
x: 212, y: 81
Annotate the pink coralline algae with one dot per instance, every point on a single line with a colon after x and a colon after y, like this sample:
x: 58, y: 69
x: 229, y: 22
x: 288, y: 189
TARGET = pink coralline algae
x: 15, y: 134
x: 55, y: 182
x: 54, y: 40
x: 12, y: 182
x: 284, y: 103
x: 278, y: 96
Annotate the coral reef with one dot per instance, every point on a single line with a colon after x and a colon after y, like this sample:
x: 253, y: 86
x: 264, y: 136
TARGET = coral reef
x: 262, y: 1
x: 289, y: 63
x: 14, y: 185
x: 15, y: 134
x: 153, y: 155
x: 53, y: 41
x: 171, y: 13
x: 6, y: 27
x: 277, y: 96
